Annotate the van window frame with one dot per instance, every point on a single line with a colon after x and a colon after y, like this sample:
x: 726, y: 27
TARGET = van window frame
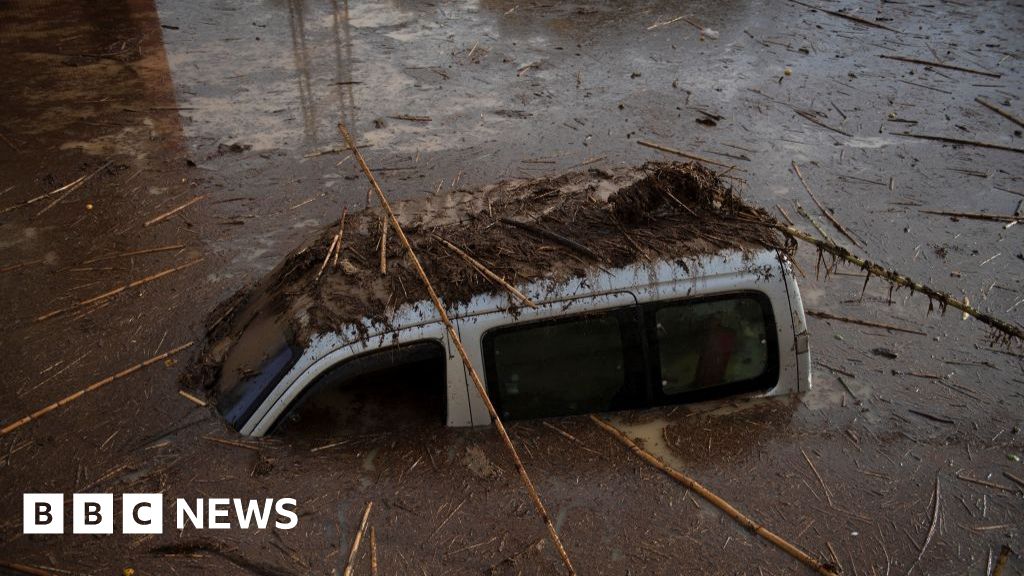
x: 635, y: 370
x: 366, y: 362
x: 642, y: 359
x: 767, y: 380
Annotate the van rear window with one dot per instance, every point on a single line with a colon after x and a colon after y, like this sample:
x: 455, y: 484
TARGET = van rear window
x: 681, y: 351
x: 557, y: 368
x: 714, y: 343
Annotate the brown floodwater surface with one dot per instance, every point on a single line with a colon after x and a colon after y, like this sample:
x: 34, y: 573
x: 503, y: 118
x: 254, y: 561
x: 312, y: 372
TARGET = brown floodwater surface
x: 237, y: 103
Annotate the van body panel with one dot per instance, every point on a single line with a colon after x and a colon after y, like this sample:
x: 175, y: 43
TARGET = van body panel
x: 764, y: 272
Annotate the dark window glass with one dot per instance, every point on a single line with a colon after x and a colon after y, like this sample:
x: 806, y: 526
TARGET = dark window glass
x: 714, y: 343
x: 394, y: 388
x: 557, y: 368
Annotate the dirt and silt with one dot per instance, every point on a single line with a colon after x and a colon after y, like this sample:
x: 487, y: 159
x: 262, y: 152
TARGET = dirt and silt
x: 511, y: 91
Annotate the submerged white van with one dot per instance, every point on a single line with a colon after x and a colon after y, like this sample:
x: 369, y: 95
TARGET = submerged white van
x: 652, y: 285
x: 650, y: 334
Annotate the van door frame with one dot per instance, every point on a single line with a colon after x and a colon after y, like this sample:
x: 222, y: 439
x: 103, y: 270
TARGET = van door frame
x: 473, y: 326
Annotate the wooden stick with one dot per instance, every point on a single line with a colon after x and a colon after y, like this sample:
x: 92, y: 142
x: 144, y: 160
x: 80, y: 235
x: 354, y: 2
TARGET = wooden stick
x: 1017, y: 480
x: 898, y: 279
x: 962, y: 142
x: 973, y: 215
x: 940, y: 65
x: 732, y: 512
x: 1001, y: 111
x: 545, y: 233
x: 135, y: 253
x: 232, y: 443
x: 817, y: 226
x: 828, y: 493
x: 849, y: 17
x: 1004, y: 554
x: 810, y: 118
x: 351, y: 564
x: 117, y: 291
x: 67, y: 188
x: 486, y: 272
x: 340, y: 236
x: 454, y: 336
x: 94, y: 386
x: 172, y: 212
x: 24, y: 569
x: 327, y: 257
x: 824, y: 210
x: 373, y: 551
x: 980, y: 482
x: 383, y: 246
x: 195, y: 400
x: 931, y: 529
x: 828, y: 316
x: 681, y: 153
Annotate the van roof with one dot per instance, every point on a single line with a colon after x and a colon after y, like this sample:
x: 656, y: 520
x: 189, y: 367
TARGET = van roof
x: 549, y: 229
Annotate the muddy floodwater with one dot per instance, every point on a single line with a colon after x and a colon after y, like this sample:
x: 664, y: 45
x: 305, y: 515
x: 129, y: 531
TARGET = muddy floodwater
x: 904, y: 458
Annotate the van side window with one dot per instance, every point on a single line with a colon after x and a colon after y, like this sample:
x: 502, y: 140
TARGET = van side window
x: 401, y: 386
x: 714, y: 343
x: 557, y: 368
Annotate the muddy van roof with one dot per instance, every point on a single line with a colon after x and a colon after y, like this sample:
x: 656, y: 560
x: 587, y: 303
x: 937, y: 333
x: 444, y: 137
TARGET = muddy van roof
x: 548, y: 229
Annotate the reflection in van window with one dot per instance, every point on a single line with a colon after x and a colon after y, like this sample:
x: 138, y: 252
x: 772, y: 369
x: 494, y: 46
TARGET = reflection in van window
x: 557, y: 368
x: 711, y: 343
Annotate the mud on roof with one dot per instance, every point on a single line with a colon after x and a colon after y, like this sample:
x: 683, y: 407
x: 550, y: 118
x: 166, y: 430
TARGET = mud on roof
x: 552, y: 229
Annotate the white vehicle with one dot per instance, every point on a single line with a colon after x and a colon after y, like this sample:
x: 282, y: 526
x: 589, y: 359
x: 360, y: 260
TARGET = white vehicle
x: 646, y: 335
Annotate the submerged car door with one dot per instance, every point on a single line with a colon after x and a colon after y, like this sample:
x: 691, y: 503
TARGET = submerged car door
x: 567, y: 356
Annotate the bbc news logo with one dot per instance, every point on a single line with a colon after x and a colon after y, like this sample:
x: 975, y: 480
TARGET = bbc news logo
x: 144, y: 513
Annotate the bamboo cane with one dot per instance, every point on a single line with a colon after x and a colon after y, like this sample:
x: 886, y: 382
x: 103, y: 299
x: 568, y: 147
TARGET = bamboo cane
x: 732, y: 512
x: 453, y: 334
x: 900, y: 280
x: 94, y: 386
x: 172, y: 212
x: 351, y: 564
x: 821, y: 207
x: 118, y: 290
x: 340, y: 236
x: 373, y: 551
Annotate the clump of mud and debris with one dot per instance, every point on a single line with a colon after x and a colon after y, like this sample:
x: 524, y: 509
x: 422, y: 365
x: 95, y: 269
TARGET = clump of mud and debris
x: 551, y: 229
